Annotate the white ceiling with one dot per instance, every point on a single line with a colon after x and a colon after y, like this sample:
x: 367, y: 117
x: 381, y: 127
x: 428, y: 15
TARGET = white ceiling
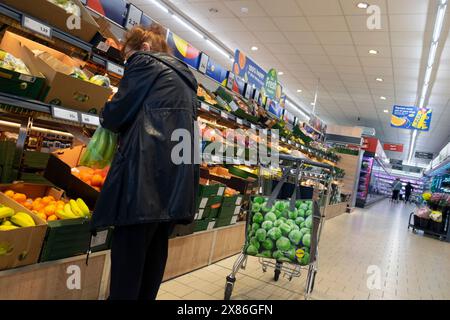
x: 329, y: 39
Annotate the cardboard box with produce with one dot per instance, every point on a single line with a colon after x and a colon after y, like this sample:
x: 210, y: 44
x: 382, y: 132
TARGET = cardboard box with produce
x: 67, y: 15
x: 69, y: 232
x: 17, y: 78
x: 70, y: 86
x: 21, y: 234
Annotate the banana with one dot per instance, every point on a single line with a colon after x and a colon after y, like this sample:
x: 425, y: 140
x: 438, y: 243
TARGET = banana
x: 77, y: 211
x: 83, y: 207
x: 22, y: 220
x: 7, y: 223
x: 6, y: 212
x: 68, y: 211
x: 8, y: 228
x: 63, y: 215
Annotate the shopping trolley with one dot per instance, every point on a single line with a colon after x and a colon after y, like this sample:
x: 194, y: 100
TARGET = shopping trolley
x: 298, y: 169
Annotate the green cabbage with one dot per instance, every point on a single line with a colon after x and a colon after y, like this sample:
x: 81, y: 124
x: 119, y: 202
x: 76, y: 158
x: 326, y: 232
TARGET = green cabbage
x: 295, y: 236
x: 258, y: 218
x: 254, y: 242
x: 267, y: 244
x: 267, y: 225
x: 283, y: 244
x: 252, y: 250
x: 274, y: 233
x: 299, y: 220
x: 270, y: 217
x: 306, y: 240
x: 261, y: 235
x: 285, y: 229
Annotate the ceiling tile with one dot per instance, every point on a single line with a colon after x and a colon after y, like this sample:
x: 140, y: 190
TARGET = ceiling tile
x: 259, y: 24
x: 292, y: 23
x: 254, y: 9
x: 320, y: 8
x: 369, y: 38
x: 335, y: 38
x: 270, y: 37
x: 281, y: 8
x: 328, y: 23
x: 310, y: 49
x: 360, y: 23
x: 401, y: 23
x: 346, y: 51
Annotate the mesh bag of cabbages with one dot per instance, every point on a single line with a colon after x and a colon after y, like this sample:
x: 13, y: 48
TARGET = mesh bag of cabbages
x: 284, y: 230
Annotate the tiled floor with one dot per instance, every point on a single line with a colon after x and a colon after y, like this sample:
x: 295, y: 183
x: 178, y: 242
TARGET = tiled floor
x: 368, y: 254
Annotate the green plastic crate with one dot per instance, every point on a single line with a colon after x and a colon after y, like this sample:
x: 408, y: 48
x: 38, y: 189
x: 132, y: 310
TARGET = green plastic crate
x: 18, y: 84
x: 223, y: 222
x: 204, y: 224
x: 68, y: 238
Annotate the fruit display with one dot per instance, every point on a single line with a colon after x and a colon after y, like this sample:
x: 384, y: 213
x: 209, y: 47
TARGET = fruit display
x: 49, y: 209
x: 68, y: 5
x: 11, y: 220
x: 93, y: 177
x: 280, y: 233
x: 9, y: 62
x: 204, y: 95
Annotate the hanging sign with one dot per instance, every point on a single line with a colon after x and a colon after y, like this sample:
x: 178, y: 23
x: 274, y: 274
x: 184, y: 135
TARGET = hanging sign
x: 271, y: 84
x: 424, y: 155
x: 248, y: 70
x: 412, y: 118
x: 115, y: 10
x: 202, y: 67
x: 183, y: 50
x: 393, y: 147
x: 134, y: 17
x: 216, y: 72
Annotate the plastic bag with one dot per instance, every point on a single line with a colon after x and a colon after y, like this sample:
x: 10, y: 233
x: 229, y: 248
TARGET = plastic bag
x: 423, y: 212
x: 101, y: 149
x: 436, y: 216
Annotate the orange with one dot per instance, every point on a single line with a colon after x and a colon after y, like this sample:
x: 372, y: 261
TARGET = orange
x: 97, y: 188
x: 242, y: 60
x: 42, y: 216
x: 52, y: 218
x: 85, y: 176
x: 97, y: 180
x: 38, y: 199
x: 50, y: 210
x: 9, y: 193
x: 20, y: 197
x: 52, y: 198
x: 28, y: 204
x: 38, y: 206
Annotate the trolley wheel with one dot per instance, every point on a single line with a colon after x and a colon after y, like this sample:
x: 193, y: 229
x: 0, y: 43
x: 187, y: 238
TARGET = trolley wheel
x: 228, y: 290
x: 276, y: 275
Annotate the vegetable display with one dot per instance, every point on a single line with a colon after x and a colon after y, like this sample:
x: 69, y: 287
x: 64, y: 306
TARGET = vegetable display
x: 280, y: 233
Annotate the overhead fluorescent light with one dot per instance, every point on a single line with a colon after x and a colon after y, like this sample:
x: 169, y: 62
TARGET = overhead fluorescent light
x: 432, y: 55
x: 218, y: 49
x: 412, y: 146
x: 439, y: 22
x: 383, y: 98
x: 428, y: 75
x: 254, y: 48
x: 299, y: 91
x: 372, y: 51
x: 159, y: 5
x: 386, y: 111
x: 379, y: 79
x: 280, y: 73
x: 362, y: 5
x: 184, y: 24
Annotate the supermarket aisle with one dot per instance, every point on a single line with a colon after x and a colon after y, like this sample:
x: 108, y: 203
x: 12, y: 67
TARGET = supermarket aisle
x: 410, y: 266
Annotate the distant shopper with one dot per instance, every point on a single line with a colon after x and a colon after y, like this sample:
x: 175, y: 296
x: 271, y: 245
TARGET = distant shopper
x: 146, y: 193
x: 408, y: 190
x: 396, y: 188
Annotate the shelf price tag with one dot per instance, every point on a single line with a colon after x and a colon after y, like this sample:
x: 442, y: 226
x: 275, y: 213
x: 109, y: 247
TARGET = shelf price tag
x: 90, y: 119
x: 297, y: 145
x: 115, y: 68
x: 252, y: 126
x: 64, y: 114
x: 134, y: 17
x: 204, y: 106
x: 215, y: 159
x: 289, y: 141
x: 239, y: 121
x: 223, y: 115
x: 37, y: 26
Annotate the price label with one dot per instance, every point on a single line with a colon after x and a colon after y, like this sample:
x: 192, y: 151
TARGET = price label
x: 65, y: 114
x: 37, y: 26
x: 203, y: 63
x: 239, y: 121
x: 264, y: 131
x: 233, y: 106
x: 289, y: 141
x: 204, y: 106
x: 297, y: 145
x: 102, y: 46
x: 252, y: 126
x: 236, y: 161
x: 99, y: 239
x: 223, y: 115
x: 90, y: 119
x: 283, y: 139
x: 215, y: 159
x: 115, y: 68
x: 134, y: 17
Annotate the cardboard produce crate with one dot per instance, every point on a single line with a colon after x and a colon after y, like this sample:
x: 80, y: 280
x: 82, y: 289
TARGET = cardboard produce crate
x: 55, y: 16
x: 22, y: 246
x: 59, y: 173
x: 64, y: 89
x: 64, y: 238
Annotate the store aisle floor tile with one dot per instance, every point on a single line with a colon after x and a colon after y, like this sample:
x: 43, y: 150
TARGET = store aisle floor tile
x: 368, y: 254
